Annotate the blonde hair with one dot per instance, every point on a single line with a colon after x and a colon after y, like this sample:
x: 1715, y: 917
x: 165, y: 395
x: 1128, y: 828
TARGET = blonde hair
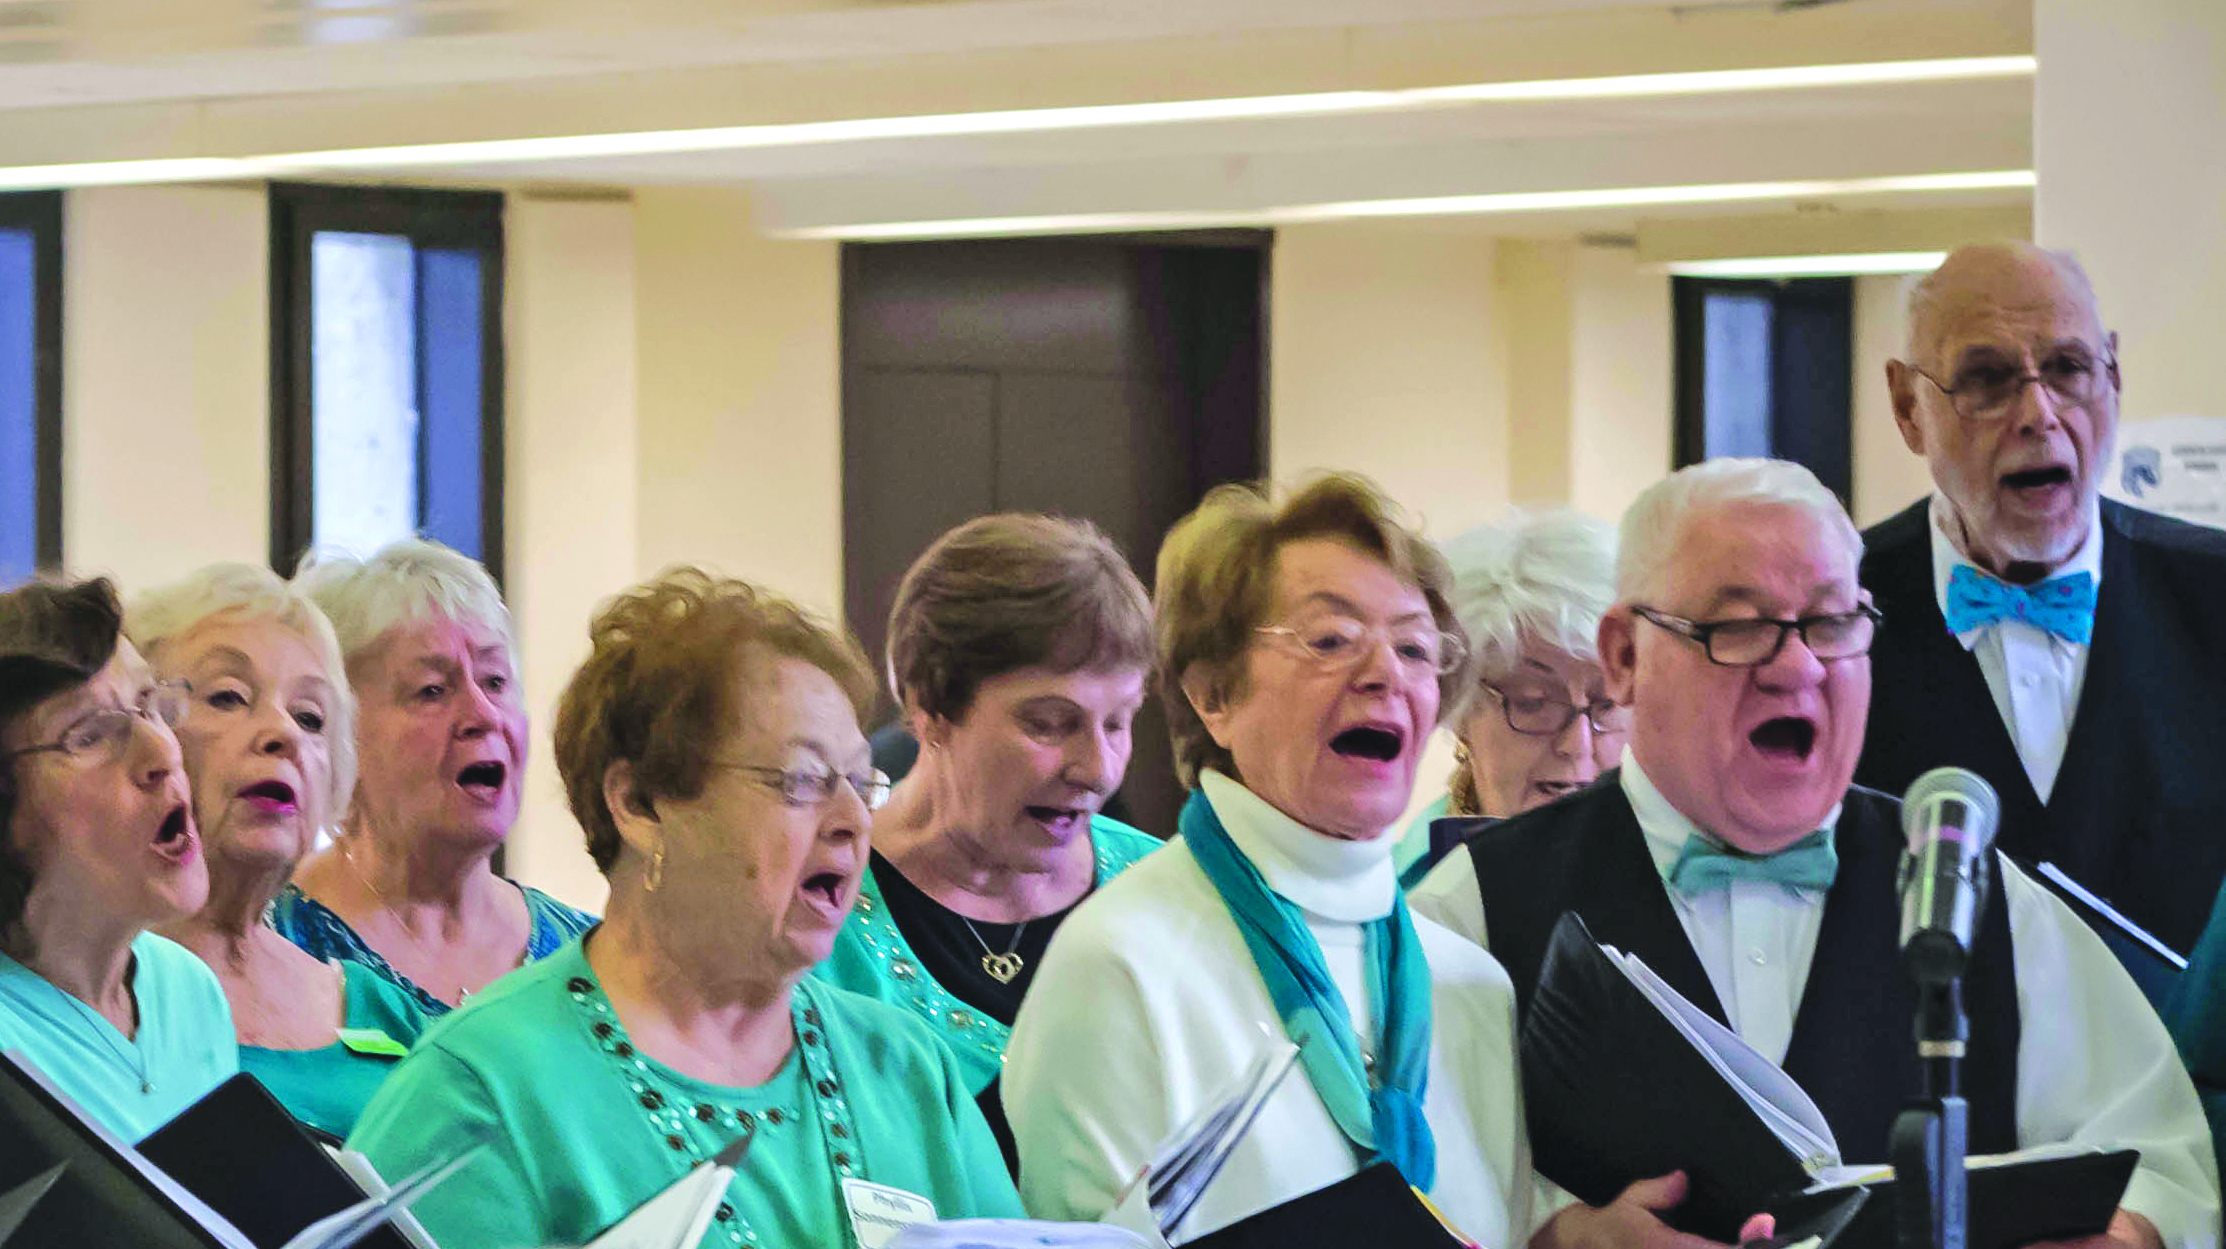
x: 1216, y: 583
x: 249, y: 592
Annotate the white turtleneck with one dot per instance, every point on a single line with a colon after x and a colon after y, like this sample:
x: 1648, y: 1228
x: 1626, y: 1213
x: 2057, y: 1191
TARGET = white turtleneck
x: 1147, y: 1005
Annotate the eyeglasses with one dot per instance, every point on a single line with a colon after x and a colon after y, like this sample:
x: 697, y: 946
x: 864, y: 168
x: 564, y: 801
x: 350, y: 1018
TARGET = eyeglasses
x: 812, y: 787
x: 105, y: 733
x: 1987, y: 390
x: 1337, y: 642
x: 1542, y: 715
x: 1752, y: 643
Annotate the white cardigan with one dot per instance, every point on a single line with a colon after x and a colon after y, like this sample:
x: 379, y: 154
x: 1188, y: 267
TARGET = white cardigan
x: 1148, y: 1001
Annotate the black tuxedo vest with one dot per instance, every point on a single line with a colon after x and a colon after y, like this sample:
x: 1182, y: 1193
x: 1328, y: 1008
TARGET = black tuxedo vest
x: 2138, y: 812
x: 1853, y: 1048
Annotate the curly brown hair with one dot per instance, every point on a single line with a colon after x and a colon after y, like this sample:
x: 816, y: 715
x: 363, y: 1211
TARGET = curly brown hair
x: 659, y: 687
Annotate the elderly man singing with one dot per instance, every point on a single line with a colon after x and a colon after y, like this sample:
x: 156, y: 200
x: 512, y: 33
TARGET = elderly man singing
x: 2062, y: 646
x: 1730, y: 854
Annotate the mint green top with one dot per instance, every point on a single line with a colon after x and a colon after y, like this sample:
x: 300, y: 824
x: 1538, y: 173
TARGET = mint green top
x: 327, y: 1087
x: 183, y: 1047
x: 872, y: 957
x: 583, y: 1128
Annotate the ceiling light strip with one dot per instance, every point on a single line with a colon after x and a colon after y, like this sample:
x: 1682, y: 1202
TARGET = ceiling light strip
x: 1011, y: 121
x: 1846, y: 265
x: 1432, y: 206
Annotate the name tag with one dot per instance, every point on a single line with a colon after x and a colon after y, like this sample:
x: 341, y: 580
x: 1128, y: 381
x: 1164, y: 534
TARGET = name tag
x: 372, y: 1042
x: 878, y: 1212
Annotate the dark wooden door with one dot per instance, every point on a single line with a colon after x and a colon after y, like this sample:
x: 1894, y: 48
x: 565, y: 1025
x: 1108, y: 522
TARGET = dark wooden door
x: 1111, y: 380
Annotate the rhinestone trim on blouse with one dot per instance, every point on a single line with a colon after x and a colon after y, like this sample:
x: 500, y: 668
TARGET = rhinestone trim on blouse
x: 676, y: 1126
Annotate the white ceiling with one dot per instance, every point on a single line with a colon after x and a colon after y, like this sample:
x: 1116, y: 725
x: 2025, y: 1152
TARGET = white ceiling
x: 94, y: 80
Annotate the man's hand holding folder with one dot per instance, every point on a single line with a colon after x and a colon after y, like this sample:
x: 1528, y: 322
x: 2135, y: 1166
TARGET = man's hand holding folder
x: 1634, y: 1221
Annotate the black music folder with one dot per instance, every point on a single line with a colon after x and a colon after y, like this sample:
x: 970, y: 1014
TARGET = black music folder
x: 238, y: 1154
x: 241, y: 1152
x: 1624, y: 1079
x: 1374, y: 1207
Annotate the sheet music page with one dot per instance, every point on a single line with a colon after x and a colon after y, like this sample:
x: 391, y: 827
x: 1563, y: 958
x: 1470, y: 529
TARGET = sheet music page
x: 675, y: 1218
x: 1776, y: 1099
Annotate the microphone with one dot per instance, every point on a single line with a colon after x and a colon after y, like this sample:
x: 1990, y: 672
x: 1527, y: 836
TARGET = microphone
x: 1949, y: 817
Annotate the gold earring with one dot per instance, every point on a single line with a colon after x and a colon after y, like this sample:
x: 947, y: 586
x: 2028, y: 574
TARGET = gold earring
x: 657, y: 867
x: 1460, y: 752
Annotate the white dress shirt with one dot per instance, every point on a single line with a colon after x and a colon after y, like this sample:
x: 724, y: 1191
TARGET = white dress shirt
x: 1146, y: 1005
x: 2094, y: 1063
x: 2034, y: 675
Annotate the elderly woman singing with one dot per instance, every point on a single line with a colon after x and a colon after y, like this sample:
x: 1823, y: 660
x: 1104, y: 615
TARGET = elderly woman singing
x: 98, y: 845
x: 710, y: 747
x: 408, y: 889
x: 1537, y: 723
x: 1020, y: 646
x: 270, y: 746
x: 1306, y: 649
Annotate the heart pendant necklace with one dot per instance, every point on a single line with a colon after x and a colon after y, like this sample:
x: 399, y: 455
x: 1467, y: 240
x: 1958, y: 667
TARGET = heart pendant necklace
x: 1001, y: 966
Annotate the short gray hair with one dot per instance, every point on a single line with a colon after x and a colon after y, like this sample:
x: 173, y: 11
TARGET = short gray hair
x: 404, y: 583
x: 1546, y: 577
x: 1655, y: 521
x: 249, y: 592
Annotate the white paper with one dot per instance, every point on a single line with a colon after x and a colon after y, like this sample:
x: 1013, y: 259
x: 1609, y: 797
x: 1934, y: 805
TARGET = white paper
x: 1187, y: 1161
x: 675, y: 1218
x: 16, y: 1203
x: 346, y: 1227
x: 367, y: 1178
x: 1782, y: 1105
x: 1015, y: 1234
x: 2172, y: 464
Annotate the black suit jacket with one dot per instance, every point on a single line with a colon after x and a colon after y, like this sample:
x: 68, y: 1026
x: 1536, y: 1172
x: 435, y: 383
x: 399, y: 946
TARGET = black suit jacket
x: 2138, y: 813
x: 1852, y: 1049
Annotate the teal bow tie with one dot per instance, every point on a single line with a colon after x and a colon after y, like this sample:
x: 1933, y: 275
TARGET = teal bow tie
x: 1703, y: 866
x: 2064, y: 606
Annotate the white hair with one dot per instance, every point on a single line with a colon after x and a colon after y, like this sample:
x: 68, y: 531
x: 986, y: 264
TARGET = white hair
x: 252, y: 592
x: 1655, y: 521
x: 1545, y: 578
x: 405, y: 582
x: 1929, y: 293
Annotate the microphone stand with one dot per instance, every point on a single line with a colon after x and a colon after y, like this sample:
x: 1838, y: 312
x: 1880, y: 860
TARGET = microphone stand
x: 1932, y: 1132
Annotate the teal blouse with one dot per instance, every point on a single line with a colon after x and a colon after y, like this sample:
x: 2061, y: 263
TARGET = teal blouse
x: 871, y: 957
x: 327, y: 1087
x: 583, y: 1128
x: 316, y: 928
x: 183, y: 1048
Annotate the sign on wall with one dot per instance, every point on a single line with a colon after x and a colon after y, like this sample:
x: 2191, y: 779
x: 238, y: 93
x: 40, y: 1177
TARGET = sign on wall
x: 2172, y: 464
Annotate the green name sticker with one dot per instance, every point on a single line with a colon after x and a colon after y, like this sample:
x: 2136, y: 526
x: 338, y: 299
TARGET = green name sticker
x: 372, y: 1042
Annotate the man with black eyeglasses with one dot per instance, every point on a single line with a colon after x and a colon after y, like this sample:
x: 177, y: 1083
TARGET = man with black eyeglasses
x: 2068, y: 648
x: 1730, y: 854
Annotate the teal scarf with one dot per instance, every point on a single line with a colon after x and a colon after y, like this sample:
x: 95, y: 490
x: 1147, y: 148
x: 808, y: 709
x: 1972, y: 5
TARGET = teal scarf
x: 1386, y: 1120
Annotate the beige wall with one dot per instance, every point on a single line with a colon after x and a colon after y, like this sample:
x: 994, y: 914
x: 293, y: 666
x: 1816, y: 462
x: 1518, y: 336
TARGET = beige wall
x: 2132, y: 165
x: 571, y: 501
x: 165, y: 380
x: 740, y: 397
x: 1385, y: 360
x: 1888, y: 475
